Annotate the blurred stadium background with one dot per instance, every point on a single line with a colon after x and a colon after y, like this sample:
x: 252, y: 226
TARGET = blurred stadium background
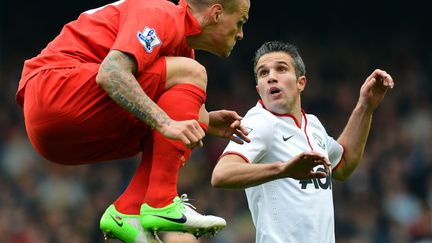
x: 389, y: 197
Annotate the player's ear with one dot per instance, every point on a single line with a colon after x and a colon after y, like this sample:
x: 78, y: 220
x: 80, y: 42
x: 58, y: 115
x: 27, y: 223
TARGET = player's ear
x: 301, y: 83
x: 215, y: 12
x: 258, y: 91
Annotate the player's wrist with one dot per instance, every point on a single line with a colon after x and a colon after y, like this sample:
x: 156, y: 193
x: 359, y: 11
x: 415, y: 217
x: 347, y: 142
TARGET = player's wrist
x: 364, y: 108
x: 164, y: 126
x: 279, y: 169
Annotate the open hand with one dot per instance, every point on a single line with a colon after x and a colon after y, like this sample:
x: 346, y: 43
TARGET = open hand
x: 374, y: 89
x: 301, y: 166
x: 227, y: 124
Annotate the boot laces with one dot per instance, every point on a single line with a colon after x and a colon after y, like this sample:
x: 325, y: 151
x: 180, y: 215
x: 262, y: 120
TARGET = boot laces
x: 185, y: 200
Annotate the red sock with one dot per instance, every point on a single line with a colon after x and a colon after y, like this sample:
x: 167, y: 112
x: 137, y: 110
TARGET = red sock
x: 181, y: 102
x: 131, y: 199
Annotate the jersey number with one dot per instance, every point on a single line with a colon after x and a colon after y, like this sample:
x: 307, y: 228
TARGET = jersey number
x: 318, y: 184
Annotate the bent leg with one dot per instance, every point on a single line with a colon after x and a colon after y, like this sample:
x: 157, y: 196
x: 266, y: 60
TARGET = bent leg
x: 153, y: 81
x: 162, y: 205
x: 184, y: 96
x: 181, y: 95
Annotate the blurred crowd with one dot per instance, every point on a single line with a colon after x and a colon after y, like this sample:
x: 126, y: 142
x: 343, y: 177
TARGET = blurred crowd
x: 388, y: 199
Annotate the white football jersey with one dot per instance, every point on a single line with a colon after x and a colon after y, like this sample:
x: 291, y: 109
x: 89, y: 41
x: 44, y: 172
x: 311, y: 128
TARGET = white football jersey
x: 288, y: 210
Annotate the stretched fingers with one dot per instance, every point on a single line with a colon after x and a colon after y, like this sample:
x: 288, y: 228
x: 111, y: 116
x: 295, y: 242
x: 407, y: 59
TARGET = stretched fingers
x: 315, y: 158
x: 318, y: 174
x: 239, y: 133
x: 382, y: 77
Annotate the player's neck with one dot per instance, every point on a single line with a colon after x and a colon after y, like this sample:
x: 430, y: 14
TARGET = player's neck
x: 297, y: 113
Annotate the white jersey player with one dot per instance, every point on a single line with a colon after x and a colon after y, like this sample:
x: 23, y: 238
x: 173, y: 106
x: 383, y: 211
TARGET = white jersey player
x: 288, y: 165
x: 277, y: 137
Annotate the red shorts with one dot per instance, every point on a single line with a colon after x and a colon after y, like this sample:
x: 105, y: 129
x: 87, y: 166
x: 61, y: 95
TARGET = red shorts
x: 71, y: 120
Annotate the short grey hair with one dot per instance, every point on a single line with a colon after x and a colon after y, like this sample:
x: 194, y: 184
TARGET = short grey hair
x: 229, y: 5
x: 279, y: 46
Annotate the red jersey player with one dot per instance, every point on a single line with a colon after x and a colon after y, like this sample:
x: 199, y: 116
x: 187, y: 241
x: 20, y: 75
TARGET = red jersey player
x: 121, y: 79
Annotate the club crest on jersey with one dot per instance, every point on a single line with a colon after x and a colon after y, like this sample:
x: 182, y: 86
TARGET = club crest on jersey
x: 148, y: 39
x: 318, y: 140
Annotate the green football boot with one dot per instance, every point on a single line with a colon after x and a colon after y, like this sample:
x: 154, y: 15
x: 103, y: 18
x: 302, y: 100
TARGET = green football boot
x: 180, y: 216
x: 126, y: 228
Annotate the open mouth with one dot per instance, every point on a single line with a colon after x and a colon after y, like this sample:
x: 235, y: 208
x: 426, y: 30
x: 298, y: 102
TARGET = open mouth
x: 274, y: 90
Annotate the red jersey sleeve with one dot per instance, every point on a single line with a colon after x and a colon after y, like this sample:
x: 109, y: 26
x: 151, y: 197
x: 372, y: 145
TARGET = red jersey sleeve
x: 148, y: 30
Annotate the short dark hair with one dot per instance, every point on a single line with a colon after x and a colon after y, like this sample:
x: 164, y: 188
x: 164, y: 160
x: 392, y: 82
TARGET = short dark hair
x: 280, y: 46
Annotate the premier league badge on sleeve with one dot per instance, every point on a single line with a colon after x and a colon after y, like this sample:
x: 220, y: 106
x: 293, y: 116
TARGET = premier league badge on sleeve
x: 148, y: 39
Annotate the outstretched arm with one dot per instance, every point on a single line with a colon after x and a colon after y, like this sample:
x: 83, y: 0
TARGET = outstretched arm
x: 232, y: 171
x: 116, y: 77
x: 355, y: 133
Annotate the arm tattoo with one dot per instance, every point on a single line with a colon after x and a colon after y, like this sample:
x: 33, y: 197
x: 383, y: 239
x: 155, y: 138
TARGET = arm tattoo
x: 124, y: 89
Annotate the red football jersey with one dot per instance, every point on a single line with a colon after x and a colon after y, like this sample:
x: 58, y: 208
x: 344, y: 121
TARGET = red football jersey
x: 142, y: 28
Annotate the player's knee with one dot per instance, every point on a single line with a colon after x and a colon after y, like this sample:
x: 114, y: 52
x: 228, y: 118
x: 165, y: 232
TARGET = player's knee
x: 196, y: 74
x: 182, y: 70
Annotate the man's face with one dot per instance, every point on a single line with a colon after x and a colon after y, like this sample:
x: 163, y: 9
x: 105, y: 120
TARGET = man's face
x: 277, y: 84
x: 229, y: 28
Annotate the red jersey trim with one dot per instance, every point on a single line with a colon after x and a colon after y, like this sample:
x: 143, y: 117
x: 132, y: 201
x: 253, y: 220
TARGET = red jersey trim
x: 306, y: 122
x: 283, y: 115
x: 293, y: 117
x: 235, y: 153
x: 340, y: 161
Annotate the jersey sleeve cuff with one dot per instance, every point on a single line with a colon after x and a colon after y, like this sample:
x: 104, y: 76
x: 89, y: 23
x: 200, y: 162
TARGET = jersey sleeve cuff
x: 340, y: 160
x: 235, y: 153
